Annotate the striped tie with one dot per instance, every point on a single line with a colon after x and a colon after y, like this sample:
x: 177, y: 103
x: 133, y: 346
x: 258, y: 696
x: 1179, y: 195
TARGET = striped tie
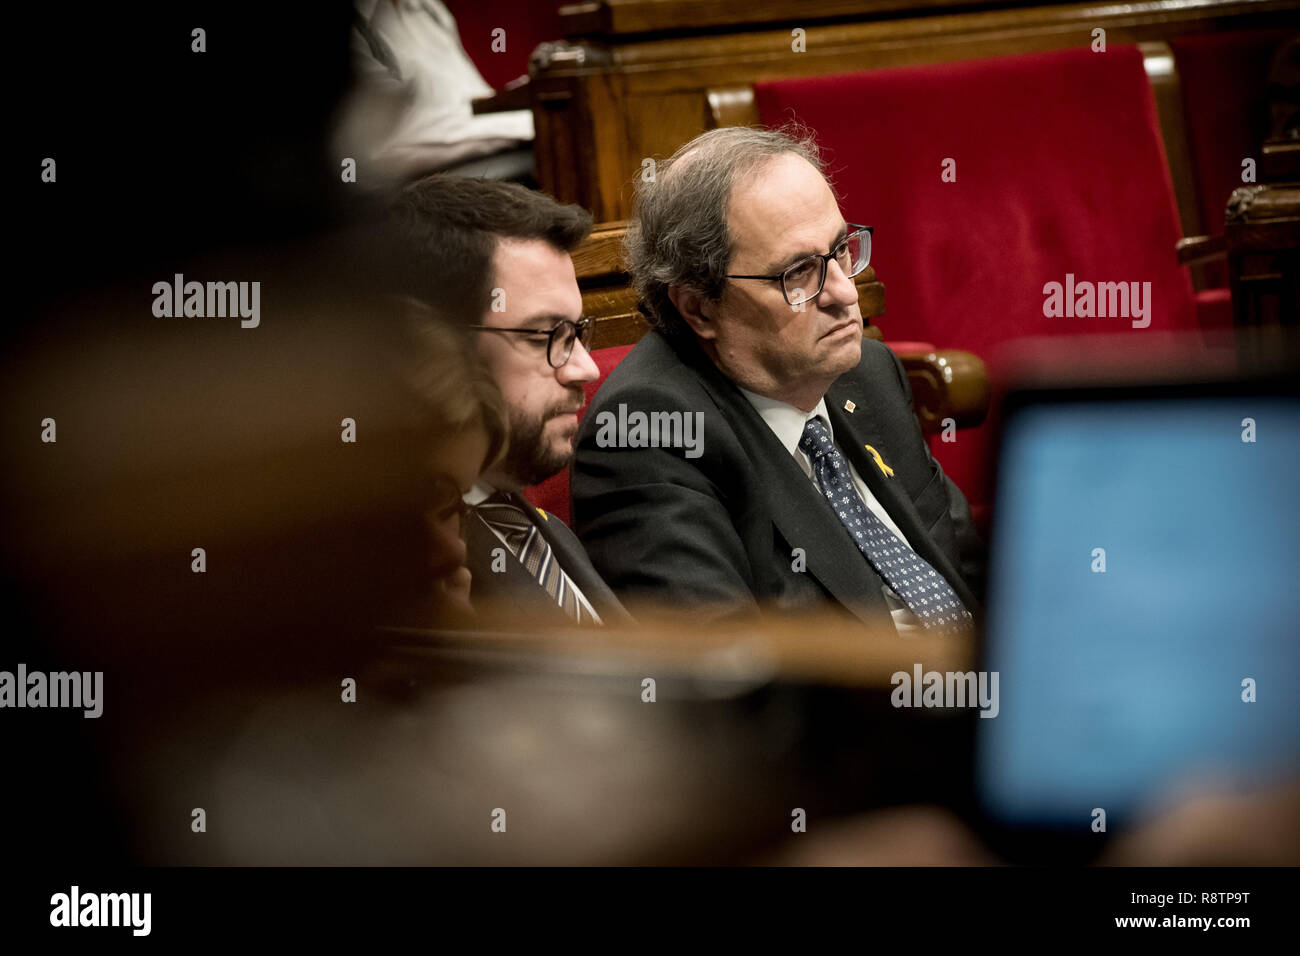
x: 505, y: 513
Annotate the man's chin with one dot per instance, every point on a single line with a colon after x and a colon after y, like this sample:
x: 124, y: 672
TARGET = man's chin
x: 847, y: 356
x: 531, y: 476
x: 561, y: 433
x: 541, y: 467
x: 560, y: 457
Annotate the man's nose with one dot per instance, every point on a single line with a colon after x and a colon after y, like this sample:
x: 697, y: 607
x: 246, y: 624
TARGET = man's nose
x: 839, y: 287
x: 579, y: 368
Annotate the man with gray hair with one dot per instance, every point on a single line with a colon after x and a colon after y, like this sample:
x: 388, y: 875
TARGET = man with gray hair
x: 813, y: 484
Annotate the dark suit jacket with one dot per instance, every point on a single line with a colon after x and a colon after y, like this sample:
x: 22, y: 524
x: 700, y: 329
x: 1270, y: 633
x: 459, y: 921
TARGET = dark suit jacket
x: 719, y: 531
x: 514, y: 590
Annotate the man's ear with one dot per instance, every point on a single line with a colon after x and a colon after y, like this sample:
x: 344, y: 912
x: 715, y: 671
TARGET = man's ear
x: 689, y: 303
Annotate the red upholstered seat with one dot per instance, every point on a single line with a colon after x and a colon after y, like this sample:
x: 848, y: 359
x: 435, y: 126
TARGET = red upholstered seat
x: 553, y: 494
x: 1060, y: 170
x: 1214, y: 307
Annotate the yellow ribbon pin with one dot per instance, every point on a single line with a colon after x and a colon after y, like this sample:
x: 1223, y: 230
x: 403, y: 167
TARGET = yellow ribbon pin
x: 545, y: 516
x: 880, y: 462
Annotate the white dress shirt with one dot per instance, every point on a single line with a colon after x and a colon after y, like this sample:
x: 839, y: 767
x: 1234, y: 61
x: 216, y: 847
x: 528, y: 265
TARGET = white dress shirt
x: 422, y: 119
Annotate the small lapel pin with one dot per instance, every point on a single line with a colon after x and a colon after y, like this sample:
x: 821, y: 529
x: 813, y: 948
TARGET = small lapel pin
x: 849, y: 406
x: 545, y: 516
x: 880, y: 462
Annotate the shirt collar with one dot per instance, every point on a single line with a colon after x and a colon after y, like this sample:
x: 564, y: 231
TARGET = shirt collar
x: 480, y: 493
x: 786, y: 421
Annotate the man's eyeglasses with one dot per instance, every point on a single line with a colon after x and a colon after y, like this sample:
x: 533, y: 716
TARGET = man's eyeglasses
x: 559, y: 340
x: 804, y: 281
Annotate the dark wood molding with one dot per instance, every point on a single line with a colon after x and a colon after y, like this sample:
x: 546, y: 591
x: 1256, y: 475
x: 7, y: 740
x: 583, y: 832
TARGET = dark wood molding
x: 1263, y: 239
x: 613, y: 18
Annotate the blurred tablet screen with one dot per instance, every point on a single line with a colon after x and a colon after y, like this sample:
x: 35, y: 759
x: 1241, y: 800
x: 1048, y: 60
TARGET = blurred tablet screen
x: 1146, y: 563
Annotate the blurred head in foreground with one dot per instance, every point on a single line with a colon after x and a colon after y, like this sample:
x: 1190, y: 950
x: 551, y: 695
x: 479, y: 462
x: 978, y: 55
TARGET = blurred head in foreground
x: 458, y: 406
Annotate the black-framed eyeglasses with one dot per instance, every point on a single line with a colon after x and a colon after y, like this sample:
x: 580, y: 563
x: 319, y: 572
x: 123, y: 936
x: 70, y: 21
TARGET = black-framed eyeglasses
x: 853, y: 253
x: 559, y: 340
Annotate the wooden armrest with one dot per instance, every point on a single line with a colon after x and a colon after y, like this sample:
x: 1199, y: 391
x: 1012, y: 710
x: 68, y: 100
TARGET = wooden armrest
x: 515, y: 95
x: 1195, y: 249
x: 947, y: 383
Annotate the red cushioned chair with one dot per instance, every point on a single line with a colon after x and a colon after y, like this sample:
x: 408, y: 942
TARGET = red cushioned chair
x: 1060, y: 169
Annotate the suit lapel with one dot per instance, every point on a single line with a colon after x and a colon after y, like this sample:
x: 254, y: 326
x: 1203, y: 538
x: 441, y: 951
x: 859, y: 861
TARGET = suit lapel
x: 806, y: 520
x: 799, y: 511
x: 513, y: 587
x: 573, y: 559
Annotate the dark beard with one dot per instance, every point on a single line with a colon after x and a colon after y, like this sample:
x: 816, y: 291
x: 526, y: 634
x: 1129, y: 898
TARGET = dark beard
x: 529, y: 460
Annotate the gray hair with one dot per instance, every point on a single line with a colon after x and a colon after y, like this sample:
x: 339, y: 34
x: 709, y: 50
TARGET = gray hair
x: 679, y: 234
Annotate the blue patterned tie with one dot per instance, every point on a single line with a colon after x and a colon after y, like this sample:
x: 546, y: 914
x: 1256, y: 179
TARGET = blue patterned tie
x: 923, y: 589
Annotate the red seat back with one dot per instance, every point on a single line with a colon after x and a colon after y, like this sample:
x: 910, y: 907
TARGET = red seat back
x: 553, y: 494
x: 1060, y: 170
x: 502, y: 57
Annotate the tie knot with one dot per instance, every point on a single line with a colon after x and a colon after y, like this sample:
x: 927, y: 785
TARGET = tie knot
x: 816, y: 439
x: 504, y: 509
